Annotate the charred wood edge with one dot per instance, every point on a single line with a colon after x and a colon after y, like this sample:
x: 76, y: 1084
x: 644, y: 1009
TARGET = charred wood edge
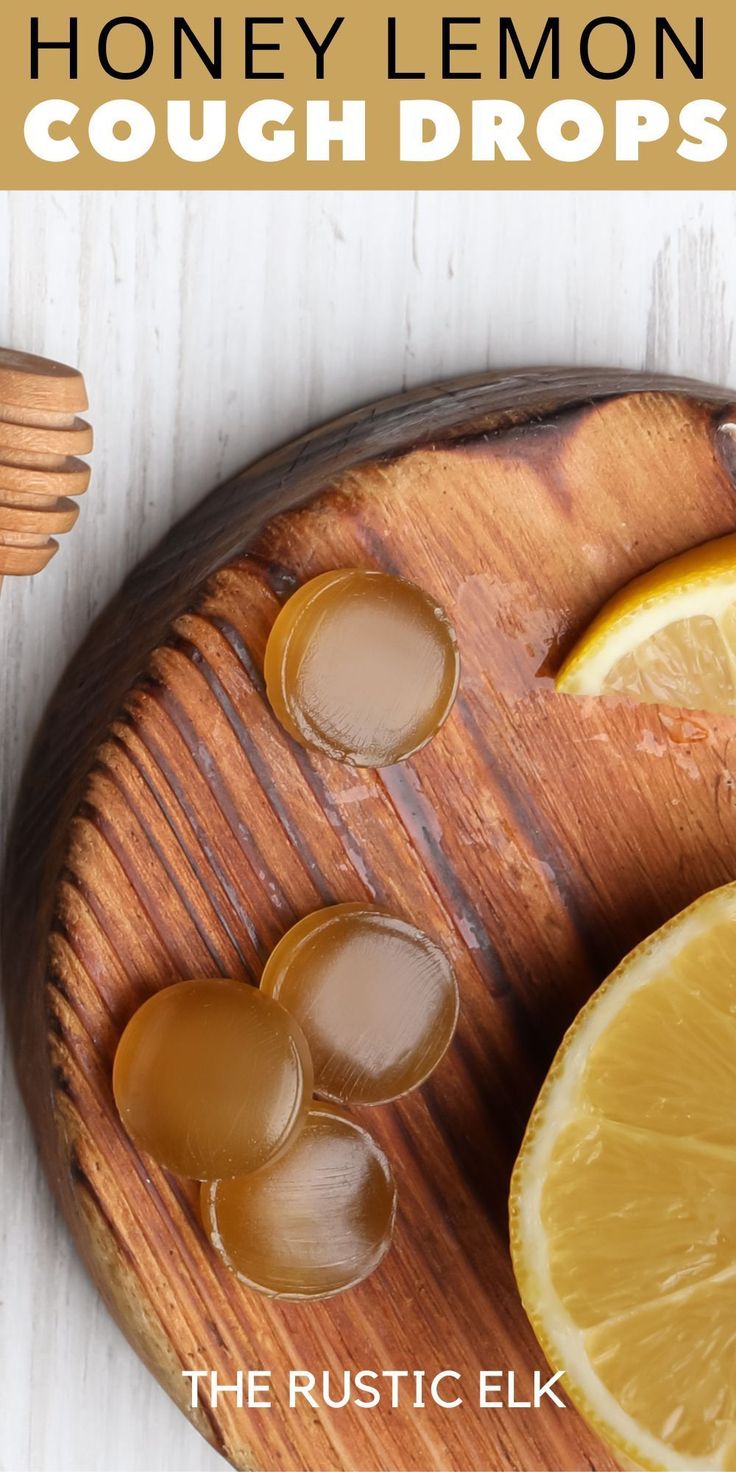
x: 169, y: 581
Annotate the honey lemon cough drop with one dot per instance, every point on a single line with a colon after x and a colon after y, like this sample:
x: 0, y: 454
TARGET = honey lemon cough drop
x: 376, y: 998
x: 623, y: 1200
x: 362, y: 666
x: 316, y: 1222
x: 669, y: 637
x: 212, y: 1078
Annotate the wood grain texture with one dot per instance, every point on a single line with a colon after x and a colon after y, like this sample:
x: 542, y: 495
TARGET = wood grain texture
x: 169, y: 828
x: 210, y: 329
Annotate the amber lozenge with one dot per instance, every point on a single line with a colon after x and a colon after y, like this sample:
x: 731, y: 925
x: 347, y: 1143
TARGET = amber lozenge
x: 313, y: 1223
x: 212, y: 1078
x: 362, y: 666
x: 375, y: 997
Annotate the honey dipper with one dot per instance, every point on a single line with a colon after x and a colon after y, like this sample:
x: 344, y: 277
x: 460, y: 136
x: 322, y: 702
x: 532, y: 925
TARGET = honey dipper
x: 41, y: 438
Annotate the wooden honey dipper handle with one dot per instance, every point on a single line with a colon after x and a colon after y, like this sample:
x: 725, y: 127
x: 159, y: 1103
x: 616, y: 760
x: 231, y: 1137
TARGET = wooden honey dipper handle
x: 41, y: 438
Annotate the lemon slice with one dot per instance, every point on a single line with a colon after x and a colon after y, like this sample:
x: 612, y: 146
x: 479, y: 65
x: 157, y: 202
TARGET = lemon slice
x: 669, y: 637
x: 623, y: 1200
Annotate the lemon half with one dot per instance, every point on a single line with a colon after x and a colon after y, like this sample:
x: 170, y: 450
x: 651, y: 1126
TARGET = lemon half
x: 623, y: 1200
x: 668, y: 637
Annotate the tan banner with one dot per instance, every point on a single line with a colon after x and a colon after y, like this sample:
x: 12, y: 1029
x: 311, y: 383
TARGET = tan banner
x: 357, y: 97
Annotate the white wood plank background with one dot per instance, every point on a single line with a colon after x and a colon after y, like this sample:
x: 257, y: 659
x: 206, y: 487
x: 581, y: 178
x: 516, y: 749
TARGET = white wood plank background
x: 211, y: 327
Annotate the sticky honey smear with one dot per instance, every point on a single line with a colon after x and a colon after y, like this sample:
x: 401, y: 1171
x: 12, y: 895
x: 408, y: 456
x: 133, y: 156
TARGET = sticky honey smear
x: 669, y: 637
x: 623, y: 1200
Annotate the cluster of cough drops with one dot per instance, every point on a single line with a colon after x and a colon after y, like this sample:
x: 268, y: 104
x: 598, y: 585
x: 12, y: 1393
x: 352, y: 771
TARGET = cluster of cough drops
x: 247, y: 1089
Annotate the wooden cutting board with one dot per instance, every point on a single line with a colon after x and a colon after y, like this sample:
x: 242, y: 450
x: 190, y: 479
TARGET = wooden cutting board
x: 167, y: 828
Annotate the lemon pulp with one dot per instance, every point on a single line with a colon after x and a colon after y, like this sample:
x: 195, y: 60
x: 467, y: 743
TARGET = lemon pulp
x: 623, y: 1200
x: 668, y: 637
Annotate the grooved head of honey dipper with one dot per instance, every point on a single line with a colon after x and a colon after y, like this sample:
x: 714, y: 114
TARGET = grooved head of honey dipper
x: 40, y: 437
x: 32, y: 382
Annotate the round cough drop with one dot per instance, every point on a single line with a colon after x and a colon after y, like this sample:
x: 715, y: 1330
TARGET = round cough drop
x: 212, y: 1078
x: 362, y: 666
x: 375, y: 997
x: 315, y: 1222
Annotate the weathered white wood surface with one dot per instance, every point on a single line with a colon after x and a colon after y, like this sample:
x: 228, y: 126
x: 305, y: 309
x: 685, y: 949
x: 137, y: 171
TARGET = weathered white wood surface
x: 210, y: 328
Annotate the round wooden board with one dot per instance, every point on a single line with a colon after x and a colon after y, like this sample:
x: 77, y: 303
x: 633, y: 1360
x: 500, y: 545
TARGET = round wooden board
x: 168, y: 828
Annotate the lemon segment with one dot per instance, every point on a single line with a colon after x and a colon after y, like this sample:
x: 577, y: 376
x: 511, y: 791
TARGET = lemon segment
x: 669, y: 637
x: 623, y: 1200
